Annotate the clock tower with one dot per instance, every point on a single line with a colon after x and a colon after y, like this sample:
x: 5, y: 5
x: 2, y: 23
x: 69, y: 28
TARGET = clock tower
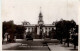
x: 40, y: 21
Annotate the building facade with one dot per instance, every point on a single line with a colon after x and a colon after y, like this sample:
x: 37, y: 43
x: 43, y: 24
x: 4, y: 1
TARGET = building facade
x: 40, y: 28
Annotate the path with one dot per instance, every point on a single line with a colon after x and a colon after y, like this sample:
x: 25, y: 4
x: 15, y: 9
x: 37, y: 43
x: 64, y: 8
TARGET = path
x: 60, y: 47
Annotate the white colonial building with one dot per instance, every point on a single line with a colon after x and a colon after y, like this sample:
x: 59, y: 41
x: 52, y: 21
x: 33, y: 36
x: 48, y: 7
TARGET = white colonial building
x: 41, y: 27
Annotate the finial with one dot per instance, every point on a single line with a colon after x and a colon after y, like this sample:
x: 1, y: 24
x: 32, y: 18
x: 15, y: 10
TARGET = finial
x: 40, y: 8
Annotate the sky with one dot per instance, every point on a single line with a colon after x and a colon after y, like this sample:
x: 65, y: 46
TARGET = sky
x: 28, y: 10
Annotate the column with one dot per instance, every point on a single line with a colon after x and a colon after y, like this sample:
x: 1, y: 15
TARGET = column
x: 26, y: 29
x: 30, y: 29
x: 38, y: 30
x: 43, y: 29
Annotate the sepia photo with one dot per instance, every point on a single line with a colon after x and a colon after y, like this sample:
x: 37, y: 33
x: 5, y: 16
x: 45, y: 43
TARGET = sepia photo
x: 40, y: 25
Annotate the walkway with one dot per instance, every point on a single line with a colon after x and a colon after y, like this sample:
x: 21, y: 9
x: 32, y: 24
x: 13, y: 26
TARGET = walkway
x: 10, y: 45
x: 52, y: 46
x: 60, y: 47
x: 25, y: 45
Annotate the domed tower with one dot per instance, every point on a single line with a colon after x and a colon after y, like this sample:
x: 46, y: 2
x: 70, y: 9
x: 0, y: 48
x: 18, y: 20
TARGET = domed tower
x: 40, y: 21
x: 40, y: 25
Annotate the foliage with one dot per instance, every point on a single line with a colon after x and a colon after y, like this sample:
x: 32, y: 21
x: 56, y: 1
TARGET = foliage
x: 20, y: 29
x: 63, y: 28
x: 12, y: 29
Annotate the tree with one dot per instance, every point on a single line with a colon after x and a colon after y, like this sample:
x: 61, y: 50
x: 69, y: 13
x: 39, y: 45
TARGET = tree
x: 52, y: 33
x: 10, y: 29
x: 29, y: 35
x: 60, y: 30
x: 63, y: 28
x: 75, y: 36
x: 20, y: 30
x: 70, y: 25
x: 4, y: 29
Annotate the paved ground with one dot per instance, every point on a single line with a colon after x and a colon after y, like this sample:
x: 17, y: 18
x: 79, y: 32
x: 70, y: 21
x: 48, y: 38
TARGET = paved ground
x: 30, y: 45
x: 25, y: 45
x: 36, y: 44
x: 10, y: 45
x: 60, y: 47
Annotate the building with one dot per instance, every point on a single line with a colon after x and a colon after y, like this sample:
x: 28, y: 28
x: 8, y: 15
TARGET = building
x: 40, y: 27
